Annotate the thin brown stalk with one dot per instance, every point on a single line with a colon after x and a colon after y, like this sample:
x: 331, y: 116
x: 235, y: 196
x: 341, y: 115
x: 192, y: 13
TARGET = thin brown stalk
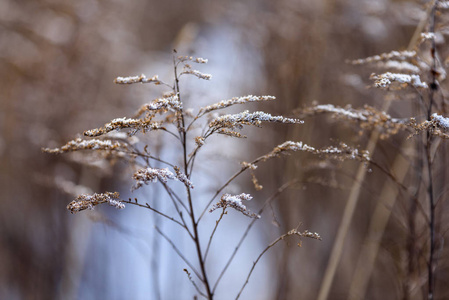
x: 378, y: 223
x: 156, y: 211
x: 248, y: 228
x: 354, y: 196
x: 346, y: 220
x: 179, y: 253
x: 429, y: 140
x: 257, y: 260
x: 282, y: 237
x: 243, y: 169
x: 213, y: 232
x: 196, y: 237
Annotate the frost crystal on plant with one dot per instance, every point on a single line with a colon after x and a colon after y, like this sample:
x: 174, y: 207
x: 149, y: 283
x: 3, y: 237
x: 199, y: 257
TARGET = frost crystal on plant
x: 85, y: 201
x: 124, y: 123
x: 136, y: 79
x: 398, y: 55
x: 386, y: 79
x: 197, y: 74
x: 246, y: 118
x: 235, y: 201
x: 198, y: 60
x: 80, y: 144
x: 171, y: 102
x: 148, y: 175
x: 368, y: 117
x: 441, y: 121
x: 183, y: 178
x: 437, y: 125
x: 235, y: 100
x: 343, y: 152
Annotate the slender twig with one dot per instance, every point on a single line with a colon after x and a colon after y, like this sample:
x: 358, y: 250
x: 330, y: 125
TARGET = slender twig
x: 171, y: 133
x: 183, y: 135
x: 194, y: 283
x: 257, y: 260
x: 379, y: 220
x: 179, y: 253
x: 153, y: 209
x: 429, y: 139
x: 213, y: 233
x: 173, y: 196
x: 248, y: 228
x: 138, y: 153
x: 243, y: 169
x: 290, y: 233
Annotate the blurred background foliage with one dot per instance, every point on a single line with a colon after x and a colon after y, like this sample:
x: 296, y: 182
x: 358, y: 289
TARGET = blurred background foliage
x: 58, y: 60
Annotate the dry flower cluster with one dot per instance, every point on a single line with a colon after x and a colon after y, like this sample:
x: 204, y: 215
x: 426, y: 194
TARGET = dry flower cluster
x: 235, y: 201
x: 416, y: 74
x: 168, y: 115
x: 366, y: 118
x: 83, y: 201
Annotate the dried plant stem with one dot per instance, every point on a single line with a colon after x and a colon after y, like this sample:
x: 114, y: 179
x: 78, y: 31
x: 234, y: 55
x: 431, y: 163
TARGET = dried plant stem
x: 257, y: 260
x: 355, y: 191
x: 243, y: 169
x: 431, y: 275
x: 149, y: 167
x: 179, y: 253
x: 194, y: 284
x: 196, y: 237
x: 378, y: 223
x: 156, y: 211
x: 198, y: 247
x: 282, y: 237
x: 417, y: 33
x: 245, y: 234
x: 213, y: 232
x: 347, y: 218
x: 429, y: 138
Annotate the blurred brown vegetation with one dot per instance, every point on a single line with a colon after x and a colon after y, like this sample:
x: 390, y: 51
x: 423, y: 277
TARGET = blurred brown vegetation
x: 58, y: 60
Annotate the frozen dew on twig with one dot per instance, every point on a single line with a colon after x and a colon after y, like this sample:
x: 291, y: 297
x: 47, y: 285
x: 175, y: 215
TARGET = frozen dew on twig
x: 147, y: 175
x: 306, y: 233
x: 196, y: 73
x: 236, y: 121
x: 437, y: 125
x: 188, y: 68
x: 137, y: 79
x: 442, y: 4
x: 248, y: 165
x: 199, y: 141
x: 235, y: 201
x: 85, y: 201
x: 395, y: 55
x: 169, y: 102
x: 125, y: 123
x: 198, y: 60
x: 183, y: 178
x: 80, y: 144
x: 427, y: 36
x: 368, y: 118
x: 341, y: 152
x: 387, y: 79
x: 236, y: 100
x: 150, y: 175
x: 440, y: 121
